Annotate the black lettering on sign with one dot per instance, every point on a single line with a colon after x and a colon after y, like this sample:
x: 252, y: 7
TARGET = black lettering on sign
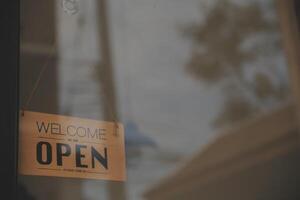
x: 60, y: 153
x: 91, y: 134
x: 42, y: 127
x: 81, y: 133
x: 79, y: 155
x: 56, y: 128
x: 99, y: 157
x: 44, y: 155
x: 69, y: 131
x: 39, y: 153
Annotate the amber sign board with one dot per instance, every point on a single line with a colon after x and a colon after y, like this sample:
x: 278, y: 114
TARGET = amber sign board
x: 61, y: 146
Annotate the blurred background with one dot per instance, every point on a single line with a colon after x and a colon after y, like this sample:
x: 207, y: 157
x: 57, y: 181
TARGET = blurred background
x: 208, y: 92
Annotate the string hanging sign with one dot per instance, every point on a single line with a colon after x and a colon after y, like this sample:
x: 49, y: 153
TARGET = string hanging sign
x: 63, y: 146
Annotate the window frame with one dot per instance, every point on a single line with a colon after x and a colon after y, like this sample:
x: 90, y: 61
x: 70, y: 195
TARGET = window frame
x: 9, y: 81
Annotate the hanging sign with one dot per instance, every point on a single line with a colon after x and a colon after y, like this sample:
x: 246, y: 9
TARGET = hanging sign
x: 61, y: 146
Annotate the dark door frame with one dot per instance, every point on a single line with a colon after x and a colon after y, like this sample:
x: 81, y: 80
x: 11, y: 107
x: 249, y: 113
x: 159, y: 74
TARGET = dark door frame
x: 9, y: 96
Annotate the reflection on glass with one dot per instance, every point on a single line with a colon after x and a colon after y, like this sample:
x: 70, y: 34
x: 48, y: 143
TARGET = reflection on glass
x: 239, y: 46
x: 173, y: 72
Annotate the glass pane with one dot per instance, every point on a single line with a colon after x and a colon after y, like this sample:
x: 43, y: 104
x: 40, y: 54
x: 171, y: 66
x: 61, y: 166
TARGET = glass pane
x: 175, y: 73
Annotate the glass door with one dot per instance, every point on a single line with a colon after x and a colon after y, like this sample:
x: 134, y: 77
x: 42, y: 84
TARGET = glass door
x: 184, y: 79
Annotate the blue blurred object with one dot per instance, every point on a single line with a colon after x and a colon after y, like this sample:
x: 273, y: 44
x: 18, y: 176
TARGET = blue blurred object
x: 134, y: 138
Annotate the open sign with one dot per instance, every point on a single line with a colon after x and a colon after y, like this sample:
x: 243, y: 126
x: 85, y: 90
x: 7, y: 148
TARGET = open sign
x: 54, y: 145
x: 65, y: 151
